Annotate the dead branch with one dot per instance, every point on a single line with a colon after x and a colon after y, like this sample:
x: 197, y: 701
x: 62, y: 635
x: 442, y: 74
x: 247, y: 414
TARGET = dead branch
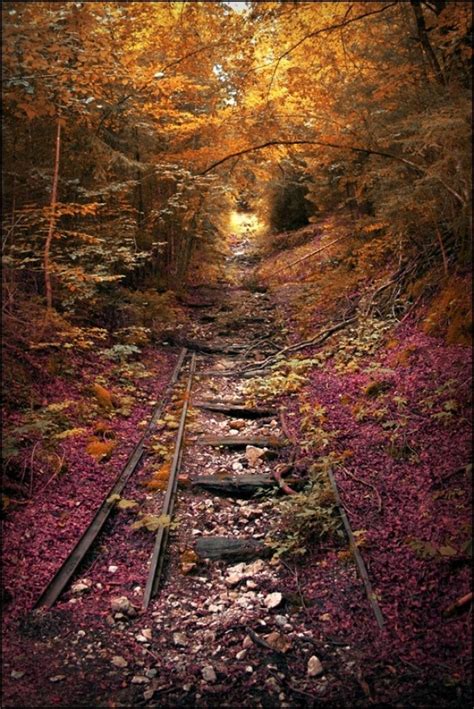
x: 310, y: 255
x: 463, y: 601
x: 316, y: 340
x: 260, y: 641
x: 277, y: 474
x: 367, y: 484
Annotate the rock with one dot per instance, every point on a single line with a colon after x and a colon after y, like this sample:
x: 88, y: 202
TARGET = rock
x: 251, y: 585
x: 141, y: 638
x: 281, y: 620
x: 254, y: 454
x: 81, y: 586
x: 121, y: 604
x: 139, y: 679
x: 315, y: 667
x: 112, y: 569
x: 255, y: 567
x: 180, y: 639
x: 148, y: 694
x: 119, y: 661
x: 240, y: 655
x: 278, y: 641
x: 16, y: 674
x: 208, y: 673
x: 273, y: 600
x: 248, y: 642
x: 57, y: 678
x: 147, y: 633
x: 237, y: 466
x: 232, y: 580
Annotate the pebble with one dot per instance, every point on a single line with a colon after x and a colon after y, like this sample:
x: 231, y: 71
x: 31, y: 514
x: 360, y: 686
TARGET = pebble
x: 253, y: 454
x: 113, y: 569
x: 208, y: 673
x: 82, y: 586
x: 121, y: 604
x: 16, y: 674
x: 180, y: 639
x: 119, y: 661
x: 57, y: 678
x: 315, y: 667
x: 273, y: 600
x: 237, y: 466
x: 139, y: 679
x: 241, y: 654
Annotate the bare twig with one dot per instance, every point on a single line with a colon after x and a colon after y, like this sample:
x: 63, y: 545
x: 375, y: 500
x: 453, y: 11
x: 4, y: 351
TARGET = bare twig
x: 310, y: 255
x: 260, y: 641
x: 364, y: 482
x: 463, y: 601
x: 316, y: 340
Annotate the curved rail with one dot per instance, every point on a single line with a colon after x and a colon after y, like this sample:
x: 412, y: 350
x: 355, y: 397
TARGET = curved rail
x: 65, y: 572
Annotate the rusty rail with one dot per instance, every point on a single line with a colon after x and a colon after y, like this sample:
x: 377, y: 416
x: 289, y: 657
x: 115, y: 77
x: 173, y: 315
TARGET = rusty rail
x: 157, y: 559
x: 67, y: 569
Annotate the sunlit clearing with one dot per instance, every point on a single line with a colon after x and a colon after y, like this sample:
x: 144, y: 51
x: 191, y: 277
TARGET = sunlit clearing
x: 245, y: 223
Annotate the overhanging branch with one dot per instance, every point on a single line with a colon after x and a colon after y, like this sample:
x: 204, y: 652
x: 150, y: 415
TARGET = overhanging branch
x: 338, y: 146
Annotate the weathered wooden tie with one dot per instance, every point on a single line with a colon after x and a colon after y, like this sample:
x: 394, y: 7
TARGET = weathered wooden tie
x: 242, y: 486
x: 231, y: 550
x: 236, y: 410
x: 242, y: 442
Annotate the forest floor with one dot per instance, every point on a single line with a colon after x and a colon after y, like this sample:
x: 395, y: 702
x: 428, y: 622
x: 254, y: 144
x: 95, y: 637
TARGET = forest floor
x: 382, y: 403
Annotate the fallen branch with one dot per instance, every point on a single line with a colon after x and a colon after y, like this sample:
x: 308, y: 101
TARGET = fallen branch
x: 277, y: 474
x: 364, y: 482
x: 285, y: 429
x: 316, y: 340
x: 312, y: 253
x: 357, y: 555
x: 260, y: 641
x: 463, y: 601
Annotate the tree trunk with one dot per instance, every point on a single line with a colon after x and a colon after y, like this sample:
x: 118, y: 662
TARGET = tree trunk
x: 52, y: 223
x: 425, y: 41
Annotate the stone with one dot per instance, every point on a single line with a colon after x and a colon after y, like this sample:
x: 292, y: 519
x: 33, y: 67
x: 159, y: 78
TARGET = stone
x: 16, y: 674
x: 273, y: 600
x: 241, y: 654
x: 277, y: 641
x: 119, y: 661
x: 57, y: 678
x: 81, y: 586
x: 112, y: 569
x: 208, y: 673
x: 180, y: 639
x: 254, y: 454
x: 139, y: 679
x: 121, y: 604
x: 315, y: 667
x: 233, y: 579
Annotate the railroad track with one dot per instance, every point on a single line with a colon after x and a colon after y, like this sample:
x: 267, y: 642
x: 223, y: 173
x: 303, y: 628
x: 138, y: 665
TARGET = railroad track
x: 71, y: 564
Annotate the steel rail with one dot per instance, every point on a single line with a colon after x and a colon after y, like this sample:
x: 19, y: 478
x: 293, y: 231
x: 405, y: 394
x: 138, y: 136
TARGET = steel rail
x: 357, y: 555
x: 157, y: 559
x: 63, y: 575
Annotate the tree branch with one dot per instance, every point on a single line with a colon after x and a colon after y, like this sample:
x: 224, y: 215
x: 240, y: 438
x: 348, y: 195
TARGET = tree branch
x: 337, y: 146
x: 330, y: 28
